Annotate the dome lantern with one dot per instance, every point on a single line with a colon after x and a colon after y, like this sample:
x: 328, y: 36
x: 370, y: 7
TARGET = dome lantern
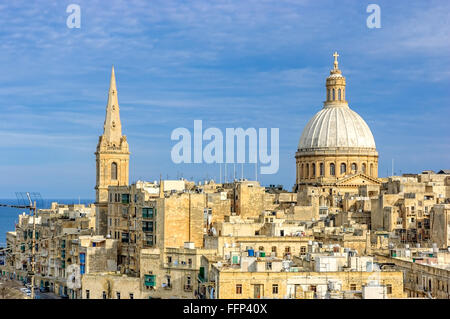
x: 335, y: 86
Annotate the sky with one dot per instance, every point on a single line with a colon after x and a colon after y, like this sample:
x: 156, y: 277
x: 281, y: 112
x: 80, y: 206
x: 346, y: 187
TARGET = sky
x: 252, y: 63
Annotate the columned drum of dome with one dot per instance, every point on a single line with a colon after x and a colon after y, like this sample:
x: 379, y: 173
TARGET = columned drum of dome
x: 336, y: 143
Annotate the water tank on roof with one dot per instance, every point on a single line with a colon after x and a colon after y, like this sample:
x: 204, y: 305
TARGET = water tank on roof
x: 435, y: 248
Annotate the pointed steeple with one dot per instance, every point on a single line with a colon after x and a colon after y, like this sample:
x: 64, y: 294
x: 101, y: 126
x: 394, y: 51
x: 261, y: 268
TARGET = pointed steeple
x: 112, y: 129
x: 113, y: 155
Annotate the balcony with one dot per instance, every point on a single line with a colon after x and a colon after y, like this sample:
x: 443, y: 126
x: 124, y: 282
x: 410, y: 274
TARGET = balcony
x: 150, y: 280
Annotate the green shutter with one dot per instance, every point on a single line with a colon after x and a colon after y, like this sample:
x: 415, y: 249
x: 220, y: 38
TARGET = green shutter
x: 150, y: 280
x: 201, y: 274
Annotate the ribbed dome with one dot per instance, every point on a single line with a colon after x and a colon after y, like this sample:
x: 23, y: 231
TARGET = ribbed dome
x: 336, y: 126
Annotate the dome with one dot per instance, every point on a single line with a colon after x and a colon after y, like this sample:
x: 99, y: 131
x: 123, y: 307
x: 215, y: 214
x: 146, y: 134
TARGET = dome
x: 336, y: 127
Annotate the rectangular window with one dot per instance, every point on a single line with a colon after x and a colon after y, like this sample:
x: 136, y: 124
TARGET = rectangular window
x: 131, y: 296
x: 147, y: 226
x: 104, y: 295
x: 275, y: 289
x: 148, y: 240
x: 125, y: 198
x: 147, y: 212
x: 353, y: 287
x: 125, y: 238
x: 118, y: 295
x: 88, y: 294
x: 389, y: 289
x: 238, y: 289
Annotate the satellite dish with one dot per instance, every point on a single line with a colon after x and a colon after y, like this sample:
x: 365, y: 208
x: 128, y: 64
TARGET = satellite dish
x: 73, y: 277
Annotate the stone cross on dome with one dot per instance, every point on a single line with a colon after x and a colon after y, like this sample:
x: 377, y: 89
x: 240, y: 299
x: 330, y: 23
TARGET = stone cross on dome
x: 335, y: 60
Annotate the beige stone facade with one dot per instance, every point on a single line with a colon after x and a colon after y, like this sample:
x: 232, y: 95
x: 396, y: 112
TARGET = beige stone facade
x: 237, y: 284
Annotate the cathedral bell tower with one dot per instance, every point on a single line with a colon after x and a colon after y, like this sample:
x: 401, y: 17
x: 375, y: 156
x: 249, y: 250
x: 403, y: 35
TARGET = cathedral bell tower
x: 112, y: 155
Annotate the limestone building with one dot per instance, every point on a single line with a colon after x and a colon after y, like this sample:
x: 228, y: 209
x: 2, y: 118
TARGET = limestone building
x: 112, y: 156
x: 336, y: 148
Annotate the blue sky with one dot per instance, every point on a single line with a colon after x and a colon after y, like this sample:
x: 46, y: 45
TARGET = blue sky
x: 230, y: 63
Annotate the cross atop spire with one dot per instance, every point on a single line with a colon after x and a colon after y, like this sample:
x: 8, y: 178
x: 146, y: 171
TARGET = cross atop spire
x: 336, y: 60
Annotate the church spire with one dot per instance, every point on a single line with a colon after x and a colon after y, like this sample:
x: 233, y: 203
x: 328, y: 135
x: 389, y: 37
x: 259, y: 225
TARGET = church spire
x: 112, y: 129
x: 112, y: 156
x: 335, y: 85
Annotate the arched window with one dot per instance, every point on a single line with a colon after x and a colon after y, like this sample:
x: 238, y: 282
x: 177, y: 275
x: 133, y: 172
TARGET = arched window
x: 307, y: 171
x: 371, y: 169
x: 322, y: 169
x: 313, y: 170
x: 114, y: 171
x: 339, y: 94
x: 354, y: 167
x: 343, y: 168
x: 328, y: 94
x: 332, y: 169
x: 334, y: 95
x: 363, y: 168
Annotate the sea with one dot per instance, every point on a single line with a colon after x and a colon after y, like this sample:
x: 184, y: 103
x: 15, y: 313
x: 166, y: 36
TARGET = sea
x: 9, y: 216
